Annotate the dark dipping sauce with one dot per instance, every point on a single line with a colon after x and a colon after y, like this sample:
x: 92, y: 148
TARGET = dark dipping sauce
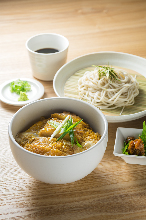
x: 47, y: 50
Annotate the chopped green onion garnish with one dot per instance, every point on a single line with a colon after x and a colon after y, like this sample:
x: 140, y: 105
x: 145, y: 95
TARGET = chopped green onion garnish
x: 69, y: 129
x: 19, y: 86
x: 77, y: 143
x: 108, y: 72
x: 59, y: 127
x: 53, y: 123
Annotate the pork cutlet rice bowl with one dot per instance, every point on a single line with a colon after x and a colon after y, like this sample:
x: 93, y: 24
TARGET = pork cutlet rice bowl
x: 58, y: 169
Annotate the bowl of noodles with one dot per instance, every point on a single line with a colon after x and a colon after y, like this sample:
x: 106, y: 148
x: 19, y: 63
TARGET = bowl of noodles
x: 58, y: 140
x: 113, y: 82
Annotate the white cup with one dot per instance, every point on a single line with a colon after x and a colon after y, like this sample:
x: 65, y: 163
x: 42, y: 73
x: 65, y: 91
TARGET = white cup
x: 45, y: 65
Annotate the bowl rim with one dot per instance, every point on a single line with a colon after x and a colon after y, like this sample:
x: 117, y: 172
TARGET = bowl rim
x: 73, y: 155
x: 43, y: 54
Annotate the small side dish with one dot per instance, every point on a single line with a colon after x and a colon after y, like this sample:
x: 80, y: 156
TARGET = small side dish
x: 24, y: 89
x: 60, y: 135
x: 130, y: 145
x: 136, y: 145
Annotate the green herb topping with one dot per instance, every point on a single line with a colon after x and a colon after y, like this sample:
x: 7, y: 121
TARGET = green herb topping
x: 23, y: 97
x: 125, y: 148
x: 66, y: 127
x: 19, y: 86
x: 108, y: 72
x: 53, y: 123
x: 143, y: 135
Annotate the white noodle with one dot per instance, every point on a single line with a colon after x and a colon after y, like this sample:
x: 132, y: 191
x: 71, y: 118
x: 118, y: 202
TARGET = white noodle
x: 105, y: 93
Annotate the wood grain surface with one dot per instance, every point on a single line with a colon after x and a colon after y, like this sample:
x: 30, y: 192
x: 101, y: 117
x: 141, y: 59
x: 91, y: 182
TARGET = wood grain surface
x: 114, y: 190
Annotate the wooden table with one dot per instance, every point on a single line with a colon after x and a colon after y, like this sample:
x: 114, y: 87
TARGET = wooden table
x: 114, y: 190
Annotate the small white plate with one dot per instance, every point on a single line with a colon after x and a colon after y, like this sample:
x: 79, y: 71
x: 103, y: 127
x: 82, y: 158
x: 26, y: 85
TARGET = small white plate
x: 121, y: 135
x: 37, y: 91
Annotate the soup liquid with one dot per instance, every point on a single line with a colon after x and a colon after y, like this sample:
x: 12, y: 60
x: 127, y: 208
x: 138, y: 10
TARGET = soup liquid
x: 47, y: 50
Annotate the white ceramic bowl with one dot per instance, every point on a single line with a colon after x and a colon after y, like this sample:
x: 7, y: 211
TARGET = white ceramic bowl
x: 121, y: 135
x: 61, y: 169
x: 45, y: 65
x: 124, y: 60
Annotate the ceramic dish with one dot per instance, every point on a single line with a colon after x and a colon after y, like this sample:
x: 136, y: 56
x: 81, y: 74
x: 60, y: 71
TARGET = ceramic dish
x: 37, y: 91
x: 121, y: 135
x: 122, y: 60
x: 45, y: 65
x: 58, y: 169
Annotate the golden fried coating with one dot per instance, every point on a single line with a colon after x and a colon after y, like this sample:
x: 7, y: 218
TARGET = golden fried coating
x: 37, y: 138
